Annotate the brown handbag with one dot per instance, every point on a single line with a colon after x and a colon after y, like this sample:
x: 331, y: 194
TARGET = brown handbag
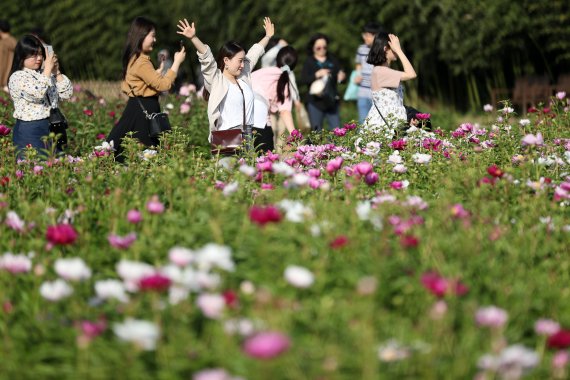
x: 228, y: 141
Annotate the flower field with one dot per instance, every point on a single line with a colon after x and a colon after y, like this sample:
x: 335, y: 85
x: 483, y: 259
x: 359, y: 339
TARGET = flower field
x: 437, y: 255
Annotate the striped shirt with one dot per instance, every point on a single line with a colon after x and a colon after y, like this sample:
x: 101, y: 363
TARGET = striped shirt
x: 365, y: 71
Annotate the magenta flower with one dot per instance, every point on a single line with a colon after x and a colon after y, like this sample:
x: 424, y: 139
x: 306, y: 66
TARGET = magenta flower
x: 350, y: 126
x: 339, y: 242
x: 122, y: 242
x: 398, y: 144
x: 334, y: 165
x: 61, y: 234
x: 4, y: 130
x: 91, y: 329
x: 495, y: 171
x: 184, y: 108
x: 491, y: 316
x: 88, y: 112
x: 339, y: 132
x: 441, y: 286
x: 560, y: 339
x: 134, y: 216
x: 265, y: 166
x: 155, y: 282
x: 316, y: 173
x: 263, y: 215
x: 371, y: 178
x: 423, y: 116
x: 154, y: 206
x: 458, y: 212
x: 266, y: 345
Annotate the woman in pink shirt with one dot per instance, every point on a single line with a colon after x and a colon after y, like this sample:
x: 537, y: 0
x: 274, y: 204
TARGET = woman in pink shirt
x: 273, y: 89
x: 388, y: 112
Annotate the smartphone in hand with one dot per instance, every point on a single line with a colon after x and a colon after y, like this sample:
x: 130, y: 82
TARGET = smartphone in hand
x: 49, y: 49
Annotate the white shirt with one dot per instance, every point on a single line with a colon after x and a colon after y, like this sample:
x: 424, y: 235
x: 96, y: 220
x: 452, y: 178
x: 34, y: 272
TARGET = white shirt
x: 231, y: 108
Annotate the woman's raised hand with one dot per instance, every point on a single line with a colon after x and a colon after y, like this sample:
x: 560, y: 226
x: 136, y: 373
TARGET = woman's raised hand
x: 50, y: 63
x: 179, y: 56
x: 394, y: 43
x: 269, y: 27
x: 187, y: 30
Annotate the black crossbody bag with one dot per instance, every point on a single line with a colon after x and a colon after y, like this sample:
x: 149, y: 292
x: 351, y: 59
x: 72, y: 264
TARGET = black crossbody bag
x: 158, y: 121
x: 57, y: 125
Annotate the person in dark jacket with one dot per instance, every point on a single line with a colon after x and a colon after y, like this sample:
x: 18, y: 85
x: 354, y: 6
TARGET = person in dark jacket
x: 321, y: 65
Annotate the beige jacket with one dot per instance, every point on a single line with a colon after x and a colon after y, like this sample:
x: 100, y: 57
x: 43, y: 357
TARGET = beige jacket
x: 218, y: 85
x: 143, y: 78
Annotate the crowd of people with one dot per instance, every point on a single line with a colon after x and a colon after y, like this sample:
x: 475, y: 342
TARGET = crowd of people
x: 246, y: 106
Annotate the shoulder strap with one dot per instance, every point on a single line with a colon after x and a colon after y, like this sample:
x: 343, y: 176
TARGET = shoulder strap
x: 382, y: 116
x: 140, y: 103
x: 243, y: 98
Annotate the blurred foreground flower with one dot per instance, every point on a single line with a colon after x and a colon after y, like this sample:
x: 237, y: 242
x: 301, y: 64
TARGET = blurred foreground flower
x: 263, y: 215
x: 491, y: 316
x: 299, y: 277
x: 61, y: 234
x: 55, y: 290
x: 266, y: 345
x: 143, y: 334
x: 73, y: 269
x: 15, y: 263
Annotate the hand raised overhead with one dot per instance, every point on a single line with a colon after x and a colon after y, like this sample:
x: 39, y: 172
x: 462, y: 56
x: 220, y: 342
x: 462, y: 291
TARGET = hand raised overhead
x: 186, y: 29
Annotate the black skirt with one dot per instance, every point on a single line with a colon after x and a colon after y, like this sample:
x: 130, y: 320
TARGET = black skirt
x: 134, y: 120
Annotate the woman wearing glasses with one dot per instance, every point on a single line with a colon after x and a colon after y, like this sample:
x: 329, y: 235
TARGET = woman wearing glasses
x: 322, y: 100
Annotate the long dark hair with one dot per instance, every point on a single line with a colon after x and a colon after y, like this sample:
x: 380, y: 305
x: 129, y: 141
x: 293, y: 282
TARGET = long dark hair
x: 28, y: 46
x: 286, y: 56
x: 140, y: 28
x: 228, y: 50
x: 377, y: 54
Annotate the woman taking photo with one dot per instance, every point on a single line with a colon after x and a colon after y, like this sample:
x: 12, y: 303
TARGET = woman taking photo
x: 142, y: 83
x: 227, y: 79
x: 34, y: 92
x: 388, y: 112
x: 276, y: 89
x: 322, y: 65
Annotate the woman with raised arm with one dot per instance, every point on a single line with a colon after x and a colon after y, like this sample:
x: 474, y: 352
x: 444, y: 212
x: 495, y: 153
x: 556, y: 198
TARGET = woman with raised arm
x: 142, y: 83
x: 388, y: 112
x: 227, y: 79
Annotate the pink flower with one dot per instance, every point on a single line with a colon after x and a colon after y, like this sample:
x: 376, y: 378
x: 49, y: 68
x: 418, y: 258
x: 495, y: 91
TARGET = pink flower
x: 134, y: 216
x: 265, y: 166
x: 211, y: 305
x: 154, y: 206
x: 423, y: 116
x: 92, y: 329
x: 266, y: 345
x: 122, y: 242
x: 61, y: 234
x: 155, y: 282
x: 100, y: 136
x: 15, y: 263
x: 441, y: 286
x: 546, y: 327
x: 112, y: 114
x: 560, y: 359
x: 4, y: 130
x: 263, y: 215
x: 212, y: 374
x: 88, y: 112
x: 532, y: 140
x: 350, y: 126
x: 38, y: 169
x: 363, y: 168
x: 491, y: 316
x: 409, y: 241
x: 334, y: 165
x: 184, y: 108
x: 339, y: 132
x: 457, y: 211
x: 561, y: 95
x: 316, y: 173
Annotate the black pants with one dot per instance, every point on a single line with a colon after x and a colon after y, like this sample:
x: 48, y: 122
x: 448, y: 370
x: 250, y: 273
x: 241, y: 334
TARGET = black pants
x: 263, y: 139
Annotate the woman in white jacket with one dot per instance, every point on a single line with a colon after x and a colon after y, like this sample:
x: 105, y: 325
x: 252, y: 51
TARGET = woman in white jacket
x: 228, y: 78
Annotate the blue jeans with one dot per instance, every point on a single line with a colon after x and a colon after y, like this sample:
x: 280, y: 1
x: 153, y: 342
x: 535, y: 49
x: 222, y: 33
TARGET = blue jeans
x: 316, y: 117
x: 30, y: 133
x: 364, y: 105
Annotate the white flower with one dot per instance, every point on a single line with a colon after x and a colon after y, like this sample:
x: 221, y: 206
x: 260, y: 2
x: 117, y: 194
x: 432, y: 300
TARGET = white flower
x: 132, y: 272
x: 105, y: 146
x: 508, y: 110
x: 15, y: 263
x: 169, y: 106
x: 315, y: 230
x: 524, y: 122
x: 363, y: 210
x: 295, y: 211
x: 212, y: 305
x: 73, y: 269
x: 207, y: 280
x: 247, y: 170
x: 372, y: 148
x: 400, y: 169
x: 300, y: 179
x: 421, y: 158
x: 512, y: 362
x: 177, y: 294
x: 488, y: 108
x: 230, y: 188
x: 143, y: 333
x: 215, y: 255
x: 227, y: 163
x: 283, y: 169
x: 111, y: 289
x: 147, y: 154
x: 56, y: 290
x: 180, y: 256
x: 14, y: 222
x: 395, y: 158
x: 392, y: 351
x: 241, y: 326
x: 299, y: 277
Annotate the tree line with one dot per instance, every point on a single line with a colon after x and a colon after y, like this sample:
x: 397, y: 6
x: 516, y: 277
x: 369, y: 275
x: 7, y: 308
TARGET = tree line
x: 460, y: 48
